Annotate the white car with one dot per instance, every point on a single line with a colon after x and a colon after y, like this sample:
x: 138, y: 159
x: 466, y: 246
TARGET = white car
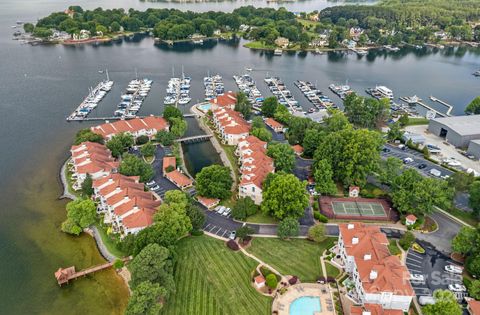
x: 407, y: 160
x: 221, y: 210
x: 457, y: 287
x: 417, y: 277
x: 156, y: 187
x: 151, y: 183
x: 217, y: 208
x: 454, y: 269
x: 226, y: 212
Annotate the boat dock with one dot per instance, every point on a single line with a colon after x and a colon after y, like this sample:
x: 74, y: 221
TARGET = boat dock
x: 91, y: 101
x: 450, y: 107
x: 315, y: 96
x: 283, y: 95
x: 64, y: 275
x: 418, y: 101
x: 80, y: 119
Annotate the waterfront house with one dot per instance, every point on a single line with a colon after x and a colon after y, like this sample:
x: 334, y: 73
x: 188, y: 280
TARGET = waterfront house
x: 230, y: 125
x: 255, y: 165
x: 282, y: 42
x: 226, y: 100
x: 378, y: 277
x: 148, y: 126
x: 355, y: 33
x: 275, y: 125
x: 318, y: 42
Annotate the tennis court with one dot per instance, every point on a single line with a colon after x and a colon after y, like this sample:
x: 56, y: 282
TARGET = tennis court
x: 354, y: 208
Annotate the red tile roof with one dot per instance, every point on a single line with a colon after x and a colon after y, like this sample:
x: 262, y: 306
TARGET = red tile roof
x: 297, y: 148
x: 411, y: 218
x: 134, y: 125
x: 140, y: 219
x: 259, y: 279
x: 179, y: 179
x: 255, y: 165
x: 169, y: 161
x: 374, y: 309
x: 272, y: 123
x: 226, y: 100
x: 474, y: 307
x: 208, y: 202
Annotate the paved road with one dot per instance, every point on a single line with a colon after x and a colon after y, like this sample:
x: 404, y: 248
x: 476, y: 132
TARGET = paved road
x: 441, y: 239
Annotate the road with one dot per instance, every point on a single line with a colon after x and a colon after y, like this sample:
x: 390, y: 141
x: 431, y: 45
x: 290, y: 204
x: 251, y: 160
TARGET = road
x: 441, y: 239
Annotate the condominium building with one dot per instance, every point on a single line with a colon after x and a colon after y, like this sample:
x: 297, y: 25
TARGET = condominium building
x: 230, y: 125
x: 147, y: 126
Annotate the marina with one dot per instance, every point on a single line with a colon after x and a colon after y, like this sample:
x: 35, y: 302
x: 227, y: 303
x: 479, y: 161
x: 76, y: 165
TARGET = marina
x: 380, y: 92
x: 131, y: 101
x: 415, y: 100
x: 283, y: 95
x: 213, y: 86
x: 91, y: 101
x: 315, y: 96
x: 246, y: 84
x: 340, y: 90
x: 178, y: 91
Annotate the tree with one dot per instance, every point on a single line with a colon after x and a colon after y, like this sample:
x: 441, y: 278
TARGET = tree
x: 445, y: 304
x: 148, y: 149
x: 365, y: 112
x: 142, y: 140
x: 288, y: 227
x: 474, y: 199
x: 244, y: 232
x: 243, y: 105
x: 316, y: 233
x: 165, y: 138
x: 464, y: 240
x: 42, y: 32
x: 297, y: 127
x: 394, y: 132
x: 178, y: 126
x: 472, y: 264
x: 28, y: 27
x: 257, y: 122
x: 243, y: 208
x: 474, y: 107
x: 282, y: 115
x: 176, y: 197
x: 336, y: 121
x: 145, y: 299
x: 131, y: 165
x: 390, y: 169
x: 407, y: 240
x: 115, y: 27
x: 152, y: 264
x: 310, y: 141
x: 284, y: 197
x: 81, y: 213
x: 474, y: 289
x: 119, y: 143
x: 283, y: 156
x: 262, y: 134
x: 173, y: 222
x: 323, y: 175
x: 214, y: 181
x: 461, y: 181
x: 269, y: 106
x: 172, y: 112
x: 85, y: 135
x: 271, y: 281
x: 197, y: 217
x: 87, y: 189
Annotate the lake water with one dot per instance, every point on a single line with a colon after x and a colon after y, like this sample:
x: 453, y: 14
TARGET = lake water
x: 40, y: 86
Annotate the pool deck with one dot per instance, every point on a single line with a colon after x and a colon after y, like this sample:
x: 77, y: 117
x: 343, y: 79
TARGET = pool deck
x: 281, y: 303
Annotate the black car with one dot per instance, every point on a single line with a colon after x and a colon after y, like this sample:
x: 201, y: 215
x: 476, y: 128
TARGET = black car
x: 386, y: 150
x: 422, y: 166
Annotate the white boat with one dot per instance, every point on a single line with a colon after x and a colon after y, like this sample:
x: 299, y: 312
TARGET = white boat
x: 184, y: 100
x: 384, y: 91
x: 277, y: 52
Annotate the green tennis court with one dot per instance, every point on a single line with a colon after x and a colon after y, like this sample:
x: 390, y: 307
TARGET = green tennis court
x: 368, y: 209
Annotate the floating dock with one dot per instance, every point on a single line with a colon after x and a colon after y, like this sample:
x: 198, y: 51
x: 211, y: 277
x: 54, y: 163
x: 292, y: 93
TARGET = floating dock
x: 418, y: 101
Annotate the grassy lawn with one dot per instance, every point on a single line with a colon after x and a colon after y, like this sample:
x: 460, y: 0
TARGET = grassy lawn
x: 211, y: 279
x: 332, y: 271
x: 259, y: 45
x: 109, y: 242
x: 297, y: 257
x: 372, y: 191
x: 413, y: 121
x: 464, y: 216
x: 393, y: 248
x: 260, y: 217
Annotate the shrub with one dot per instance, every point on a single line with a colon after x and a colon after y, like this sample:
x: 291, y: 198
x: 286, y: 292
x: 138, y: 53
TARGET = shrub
x: 271, y: 281
x: 316, y: 233
x: 196, y: 233
x: 118, y: 264
x: 233, y: 245
x: 265, y: 271
x: 316, y: 207
x: 407, y: 240
x: 141, y: 140
x: 293, y: 280
x: 320, y: 217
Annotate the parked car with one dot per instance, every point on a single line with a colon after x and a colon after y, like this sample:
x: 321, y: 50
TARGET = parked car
x: 457, y: 287
x: 422, y: 166
x: 454, y: 269
x: 217, y: 208
x: 425, y: 300
x: 386, y: 150
x: 151, y: 183
x: 156, y: 187
x: 407, y: 160
x: 232, y: 235
x: 226, y: 212
x: 435, y: 172
x: 402, y: 146
x: 221, y: 210
x: 417, y: 277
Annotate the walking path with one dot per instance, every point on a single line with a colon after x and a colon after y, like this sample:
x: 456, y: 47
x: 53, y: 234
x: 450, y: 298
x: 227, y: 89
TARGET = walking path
x: 262, y: 263
x: 63, y: 178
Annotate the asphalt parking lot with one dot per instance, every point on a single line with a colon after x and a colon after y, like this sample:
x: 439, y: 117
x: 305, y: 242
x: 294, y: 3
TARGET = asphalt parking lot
x: 417, y: 160
x: 431, y: 265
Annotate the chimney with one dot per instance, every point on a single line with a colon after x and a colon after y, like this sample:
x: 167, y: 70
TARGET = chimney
x: 350, y: 226
x: 354, y: 240
x: 373, y: 274
x: 367, y: 257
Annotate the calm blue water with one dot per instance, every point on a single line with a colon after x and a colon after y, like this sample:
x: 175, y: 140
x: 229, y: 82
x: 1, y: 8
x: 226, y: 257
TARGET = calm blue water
x: 306, y: 305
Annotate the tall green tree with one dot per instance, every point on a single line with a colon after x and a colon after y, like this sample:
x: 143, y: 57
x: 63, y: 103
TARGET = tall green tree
x: 85, y: 135
x: 365, y: 112
x: 269, y: 106
x: 243, y: 105
x: 148, y: 149
x: 170, y: 112
x: 473, y: 108
x: 288, y: 227
x: 146, y: 299
x: 284, y: 197
x: 131, y: 165
x: 166, y: 138
x: 262, y: 134
x: 283, y: 156
x: 81, y: 213
x: 465, y: 242
x: 311, y: 141
x: 119, y: 143
x: 214, y: 181
x: 87, y: 186
x: 243, y: 208
x: 178, y: 126
x: 390, y: 169
x: 197, y: 217
x: 316, y: 233
x: 474, y: 199
x: 323, y: 175
x: 336, y: 121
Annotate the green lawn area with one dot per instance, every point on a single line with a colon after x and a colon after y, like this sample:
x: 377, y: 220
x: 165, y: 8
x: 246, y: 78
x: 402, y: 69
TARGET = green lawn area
x: 413, y: 121
x: 211, y: 279
x: 259, y: 45
x: 393, y: 248
x: 297, y: 257
x: 332, y: 271
x: 260, y: 217
x: 109, y: 242
x: 467, y: 217
x: 372, y: 191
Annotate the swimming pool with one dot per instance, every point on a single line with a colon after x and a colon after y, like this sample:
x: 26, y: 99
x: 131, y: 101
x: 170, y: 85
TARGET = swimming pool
x: 305, y: 305
x: 204, y: 107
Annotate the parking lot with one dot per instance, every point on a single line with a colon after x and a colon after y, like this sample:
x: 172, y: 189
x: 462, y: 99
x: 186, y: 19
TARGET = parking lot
x: 417, y: 158
x: 431, y: 265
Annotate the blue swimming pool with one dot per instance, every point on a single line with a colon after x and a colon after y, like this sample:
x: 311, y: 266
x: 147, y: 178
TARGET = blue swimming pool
x: 305, y: 305
x: 204, y: 107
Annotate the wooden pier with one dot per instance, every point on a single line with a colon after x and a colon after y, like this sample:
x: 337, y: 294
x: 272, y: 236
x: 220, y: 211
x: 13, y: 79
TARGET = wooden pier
x: 64, y: 275
x: 419, y: 102
x: 450, y: 107
x: 80, y: 119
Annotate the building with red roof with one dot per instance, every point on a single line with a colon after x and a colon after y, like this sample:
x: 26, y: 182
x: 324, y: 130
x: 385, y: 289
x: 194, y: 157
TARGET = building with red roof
x: 379, y: 277
x: 473, y: 307
x: 373, y: 309
x: 230, y: 125
x: 275, y: 125
x: 181, y: 180
x: 410, y: 219
x: 259, y: 281
x: 147, y: 126
x: 298, y: 149
x: 226, y: 100
x: 208, y: 202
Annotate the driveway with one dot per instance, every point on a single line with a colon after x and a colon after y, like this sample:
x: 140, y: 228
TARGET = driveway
x: 302, y: 168
x: 441, y: 239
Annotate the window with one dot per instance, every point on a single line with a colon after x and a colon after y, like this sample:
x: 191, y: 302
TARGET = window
x: 253, y: 189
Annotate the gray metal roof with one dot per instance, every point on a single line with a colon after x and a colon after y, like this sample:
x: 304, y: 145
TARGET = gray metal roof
x: 463, y: 125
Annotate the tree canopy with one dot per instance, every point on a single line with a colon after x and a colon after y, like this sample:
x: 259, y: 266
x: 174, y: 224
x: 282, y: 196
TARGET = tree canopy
x: 288, y: 227
x: 365, y: 112
x: 145, y: 299
x: 132, y: 165
x: 283, y: 156
x: 214, y: 181
x: 243, y: 105
x: 473, y: 108
x: 87, y: 135
x: 81, y: 213
x: 269, y: 106
x: 119, y: 143
x: 243, y: 208
x: 445, y: 304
